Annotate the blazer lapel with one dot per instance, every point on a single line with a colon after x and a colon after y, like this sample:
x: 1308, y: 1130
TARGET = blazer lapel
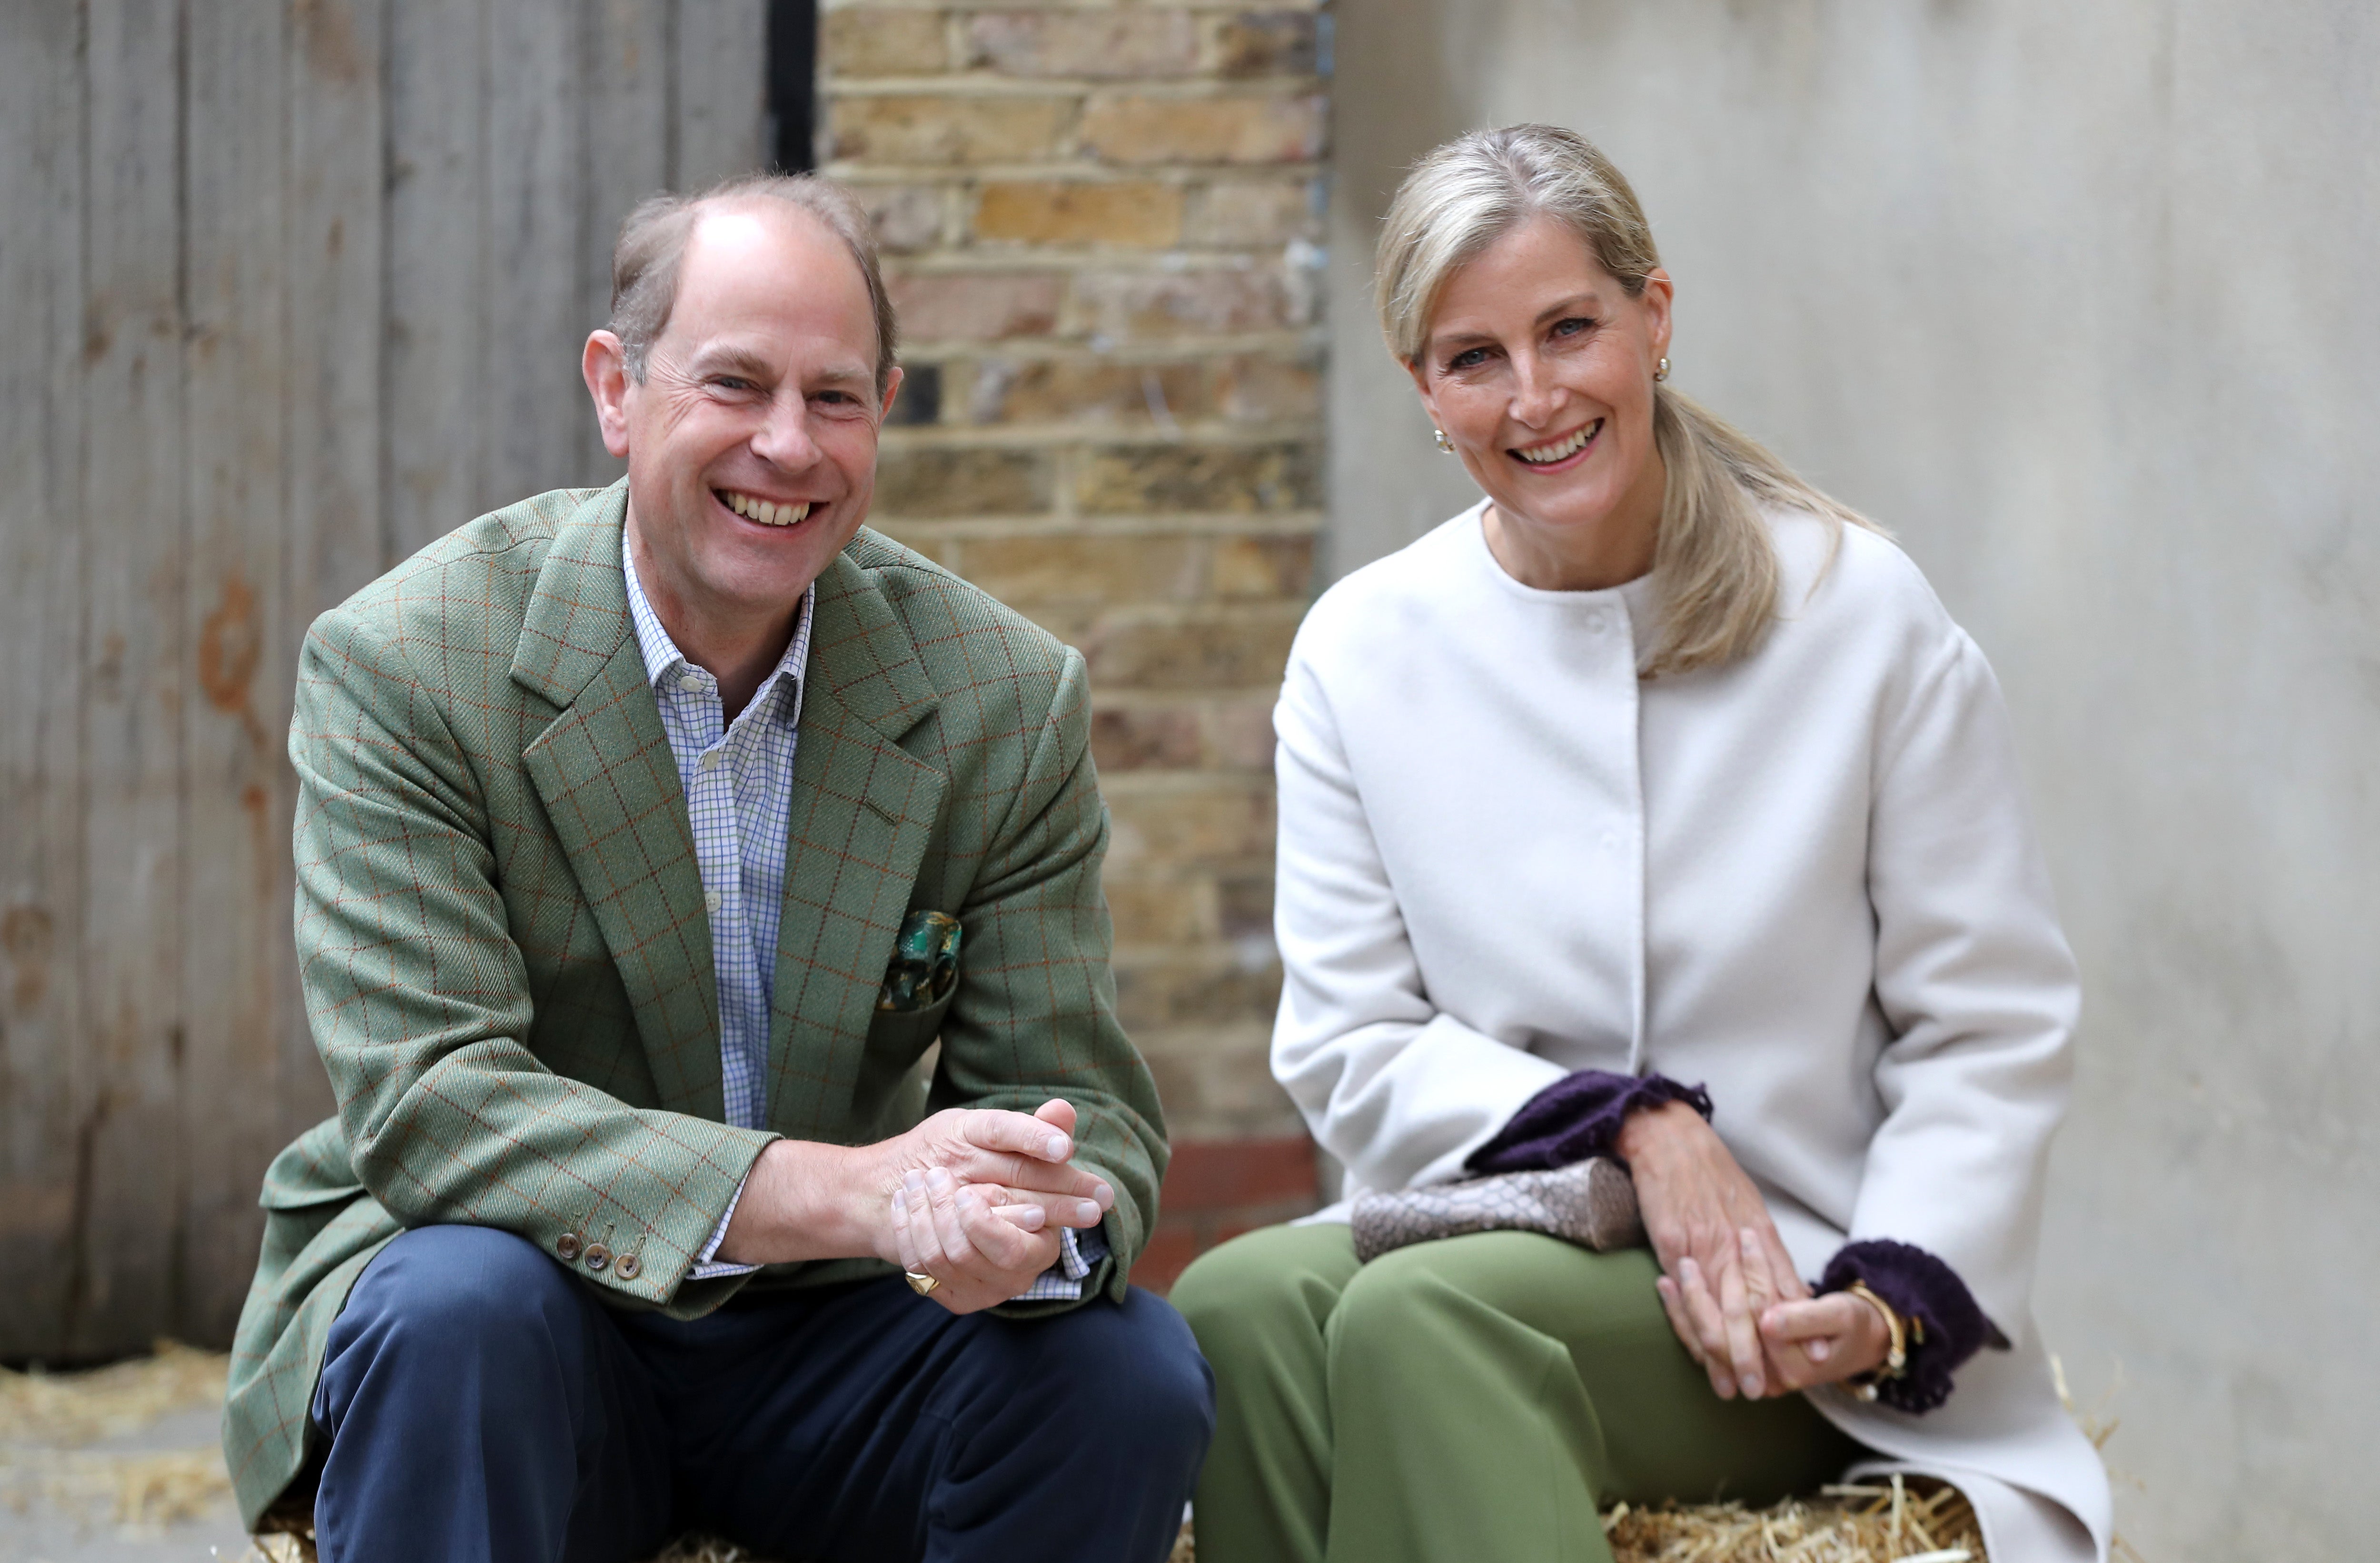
x: 863, y: 815
x: 610, y: 786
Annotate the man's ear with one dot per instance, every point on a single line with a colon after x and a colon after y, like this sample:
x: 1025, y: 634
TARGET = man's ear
x: 606, y: 366
x: 892, y: 389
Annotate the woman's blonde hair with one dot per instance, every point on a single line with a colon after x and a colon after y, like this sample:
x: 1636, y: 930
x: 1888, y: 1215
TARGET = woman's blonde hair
x: 1714, y: 567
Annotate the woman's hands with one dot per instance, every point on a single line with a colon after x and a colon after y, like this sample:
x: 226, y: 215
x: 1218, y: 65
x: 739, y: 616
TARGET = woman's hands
x: 1729, y: 1285
x: 1823, y: 1339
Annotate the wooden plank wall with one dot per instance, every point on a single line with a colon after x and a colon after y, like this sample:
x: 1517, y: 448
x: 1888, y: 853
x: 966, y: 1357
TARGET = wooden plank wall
x: 287, y: 288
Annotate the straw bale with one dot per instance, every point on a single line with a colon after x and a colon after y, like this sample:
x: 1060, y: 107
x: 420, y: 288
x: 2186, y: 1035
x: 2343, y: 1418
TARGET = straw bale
x: 70, y: 1410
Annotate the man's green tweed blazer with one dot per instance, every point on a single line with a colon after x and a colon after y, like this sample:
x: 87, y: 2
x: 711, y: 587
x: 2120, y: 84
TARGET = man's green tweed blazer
x: 507, y: 964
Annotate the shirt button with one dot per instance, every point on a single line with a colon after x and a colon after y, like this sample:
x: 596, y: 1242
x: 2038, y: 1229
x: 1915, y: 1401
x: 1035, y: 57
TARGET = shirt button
x: 690, y: 682
x: 711, y: 761
x: 711, y: 899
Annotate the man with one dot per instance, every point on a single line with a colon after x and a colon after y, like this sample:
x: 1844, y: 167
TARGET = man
x: 648, y: 839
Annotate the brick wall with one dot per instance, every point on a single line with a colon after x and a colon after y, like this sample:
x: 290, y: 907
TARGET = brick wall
x: 1101, y: 223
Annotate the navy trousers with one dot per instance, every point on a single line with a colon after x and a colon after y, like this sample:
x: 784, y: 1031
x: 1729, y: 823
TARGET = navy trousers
x: 480, y: 1404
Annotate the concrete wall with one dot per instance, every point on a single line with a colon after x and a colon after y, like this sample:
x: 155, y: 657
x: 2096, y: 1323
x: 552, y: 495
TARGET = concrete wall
x: 2079, y: 299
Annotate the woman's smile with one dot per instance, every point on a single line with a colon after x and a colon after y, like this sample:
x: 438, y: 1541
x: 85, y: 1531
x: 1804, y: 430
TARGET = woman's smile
x: 1561, y: 454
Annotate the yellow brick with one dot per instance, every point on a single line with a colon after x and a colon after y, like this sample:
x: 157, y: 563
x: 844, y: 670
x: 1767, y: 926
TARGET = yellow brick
x: 906, y: 216
x: 1269, y: 390
x: 1145, y: 305
x: 1272, y: 128
x: 1200, y: 653
x: 925, y: 128
x: 974, y: 306
x: 1100, y: 570
x: 1172, y: 991
x: 1160, y: 912
x: 1156, y: 480
x: 962, y: 482
x: 1243, y: 737
x: 1242, y: 214
x: 1222, y: 822
x: 1218, y: 1087
x: 869, y: 41
x: 1138, y: 737
x: 1244, y: 906
x: 1085, y: 43
x: 1265, y: 43
x: 1263, y: 566
x: 1133, y: 214
x: 1099, y: 391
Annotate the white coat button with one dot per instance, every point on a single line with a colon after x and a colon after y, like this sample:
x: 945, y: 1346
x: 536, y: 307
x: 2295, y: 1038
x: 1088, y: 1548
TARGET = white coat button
x: 1610, y: 842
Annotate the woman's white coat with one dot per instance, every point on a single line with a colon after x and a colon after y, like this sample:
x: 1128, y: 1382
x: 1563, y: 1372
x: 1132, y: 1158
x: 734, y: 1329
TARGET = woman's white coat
x: 1806, y: 880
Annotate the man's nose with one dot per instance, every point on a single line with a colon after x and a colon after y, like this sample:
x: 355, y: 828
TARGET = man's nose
x: 784, y: 437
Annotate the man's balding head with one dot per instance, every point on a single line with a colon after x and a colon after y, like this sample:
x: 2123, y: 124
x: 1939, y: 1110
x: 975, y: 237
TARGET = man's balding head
x: 646, y: 262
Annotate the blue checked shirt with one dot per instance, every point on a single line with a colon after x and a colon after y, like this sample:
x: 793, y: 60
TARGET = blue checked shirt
x: 739, y: 788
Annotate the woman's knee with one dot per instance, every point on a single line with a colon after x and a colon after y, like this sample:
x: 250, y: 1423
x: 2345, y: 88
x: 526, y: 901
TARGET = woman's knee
x: 1273, y: 1278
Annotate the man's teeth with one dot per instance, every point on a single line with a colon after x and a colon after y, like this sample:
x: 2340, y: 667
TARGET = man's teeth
x: 763, y: 511
x: 1538, y: 455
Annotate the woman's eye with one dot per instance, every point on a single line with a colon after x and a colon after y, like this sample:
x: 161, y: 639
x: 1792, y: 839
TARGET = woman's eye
x: 1572, y: 326
x: 1469, y: 359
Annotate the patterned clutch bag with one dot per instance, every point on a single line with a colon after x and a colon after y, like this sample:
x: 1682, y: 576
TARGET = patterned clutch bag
x: 1592, y: 1203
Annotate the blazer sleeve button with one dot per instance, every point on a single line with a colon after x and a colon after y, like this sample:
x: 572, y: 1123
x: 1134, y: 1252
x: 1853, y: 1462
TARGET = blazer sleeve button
x: 598, y: 1257
x: 566, y: 1247
x: 629, y: 1266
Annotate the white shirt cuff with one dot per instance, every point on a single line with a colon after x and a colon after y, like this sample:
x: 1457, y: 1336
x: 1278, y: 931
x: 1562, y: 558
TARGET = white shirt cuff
x: 707, y: 1268
x: 1078, y: 1254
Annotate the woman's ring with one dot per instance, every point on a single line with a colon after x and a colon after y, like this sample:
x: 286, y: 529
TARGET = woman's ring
x: 919, y: 1284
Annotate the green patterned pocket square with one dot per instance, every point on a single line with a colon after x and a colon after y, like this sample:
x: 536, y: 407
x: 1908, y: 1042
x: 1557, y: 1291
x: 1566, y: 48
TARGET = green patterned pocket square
x: 925, y: 965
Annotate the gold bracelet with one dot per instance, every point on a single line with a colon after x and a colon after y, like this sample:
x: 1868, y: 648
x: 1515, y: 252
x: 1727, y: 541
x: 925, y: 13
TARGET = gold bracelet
x: 1896, y: 1361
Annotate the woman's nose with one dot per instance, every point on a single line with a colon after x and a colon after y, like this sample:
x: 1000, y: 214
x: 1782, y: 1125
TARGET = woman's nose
x: 1536, y: 394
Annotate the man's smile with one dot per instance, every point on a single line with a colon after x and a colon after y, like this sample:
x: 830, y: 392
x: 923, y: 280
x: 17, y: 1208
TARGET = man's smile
x: 769, y: 513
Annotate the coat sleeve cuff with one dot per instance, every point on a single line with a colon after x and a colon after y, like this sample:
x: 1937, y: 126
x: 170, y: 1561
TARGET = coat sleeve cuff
x: 1947, y: 1327
x: 1577, y: 1116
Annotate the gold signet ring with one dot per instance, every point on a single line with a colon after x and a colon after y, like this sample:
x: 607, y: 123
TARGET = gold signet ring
x: 921, y: 1284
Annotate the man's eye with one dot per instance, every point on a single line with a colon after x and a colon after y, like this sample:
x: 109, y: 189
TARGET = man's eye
x: 732, y: 383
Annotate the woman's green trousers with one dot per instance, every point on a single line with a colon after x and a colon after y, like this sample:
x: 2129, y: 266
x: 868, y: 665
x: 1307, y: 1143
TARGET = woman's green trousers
x: 1475, y: 1397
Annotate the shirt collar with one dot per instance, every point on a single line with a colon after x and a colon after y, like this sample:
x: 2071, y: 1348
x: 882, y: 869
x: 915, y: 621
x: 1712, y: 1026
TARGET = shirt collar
x: 663, y: 659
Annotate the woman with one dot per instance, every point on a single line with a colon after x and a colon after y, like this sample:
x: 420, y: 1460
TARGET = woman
x: 1656, y: 774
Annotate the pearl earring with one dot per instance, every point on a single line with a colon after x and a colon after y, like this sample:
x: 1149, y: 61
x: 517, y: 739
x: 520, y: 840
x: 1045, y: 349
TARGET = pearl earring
x: 1445, y: 445
x: 1662, y: 369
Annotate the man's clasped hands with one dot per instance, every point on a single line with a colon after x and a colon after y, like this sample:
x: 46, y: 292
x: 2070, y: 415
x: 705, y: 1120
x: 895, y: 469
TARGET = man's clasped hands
x: 974, y: 1198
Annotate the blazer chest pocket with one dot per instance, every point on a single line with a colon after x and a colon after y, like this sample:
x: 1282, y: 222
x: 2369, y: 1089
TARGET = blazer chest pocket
x: 924, y: 971
x: 919, y: 983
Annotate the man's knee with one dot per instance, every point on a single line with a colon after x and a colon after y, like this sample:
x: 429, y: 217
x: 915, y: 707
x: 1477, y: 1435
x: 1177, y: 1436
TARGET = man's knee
x: 450, y: 1295
x: 1133, y: 1376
